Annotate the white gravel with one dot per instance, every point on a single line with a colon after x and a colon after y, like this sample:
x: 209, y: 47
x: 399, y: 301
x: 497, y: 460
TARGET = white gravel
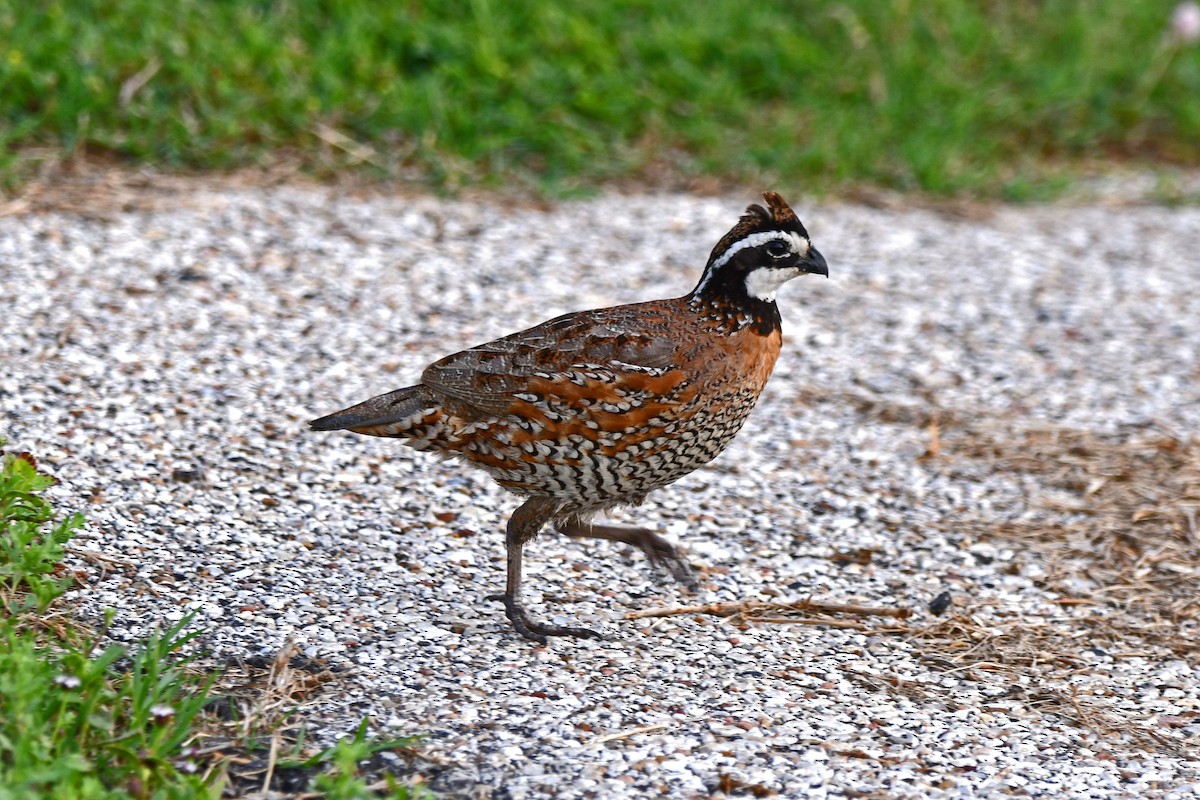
x: 162, y: 358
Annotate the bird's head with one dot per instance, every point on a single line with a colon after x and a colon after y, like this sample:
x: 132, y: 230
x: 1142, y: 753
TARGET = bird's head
x: 766, y: 249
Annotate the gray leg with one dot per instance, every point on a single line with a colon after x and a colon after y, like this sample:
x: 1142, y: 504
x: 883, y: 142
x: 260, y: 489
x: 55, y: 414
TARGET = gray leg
x: 523, y: 525
x: 662, y: 554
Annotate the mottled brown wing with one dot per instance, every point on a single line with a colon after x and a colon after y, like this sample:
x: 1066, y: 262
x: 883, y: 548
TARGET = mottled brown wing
x: 631, y: 340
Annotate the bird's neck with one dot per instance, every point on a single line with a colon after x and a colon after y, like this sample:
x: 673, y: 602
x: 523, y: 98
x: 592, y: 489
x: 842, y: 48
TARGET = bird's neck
x: 729, y: 305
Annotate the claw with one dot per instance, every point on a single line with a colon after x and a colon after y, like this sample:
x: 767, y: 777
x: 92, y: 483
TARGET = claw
x: 538, y: 631
x: 665, y: 556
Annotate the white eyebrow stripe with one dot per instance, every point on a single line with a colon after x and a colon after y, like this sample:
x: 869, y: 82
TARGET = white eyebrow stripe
x: 799, y: 244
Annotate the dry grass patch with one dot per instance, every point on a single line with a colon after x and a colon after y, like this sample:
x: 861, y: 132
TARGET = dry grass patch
x: 1107, y: 526
x: 1110, y: 525
x: 1114, y: 519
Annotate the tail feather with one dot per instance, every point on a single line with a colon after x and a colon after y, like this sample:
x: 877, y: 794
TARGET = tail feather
x: 390, y: 414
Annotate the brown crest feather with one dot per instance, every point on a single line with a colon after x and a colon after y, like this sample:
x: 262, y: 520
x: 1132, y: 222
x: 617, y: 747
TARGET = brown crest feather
x: 757, y: 219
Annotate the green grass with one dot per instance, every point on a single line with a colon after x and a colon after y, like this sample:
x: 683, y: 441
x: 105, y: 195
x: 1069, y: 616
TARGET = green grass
x: 942, y: 96
x: 78, y: 720
x: 74, y: 720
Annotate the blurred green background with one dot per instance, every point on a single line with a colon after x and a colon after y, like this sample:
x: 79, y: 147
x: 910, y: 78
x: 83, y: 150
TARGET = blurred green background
x: 1008, y: 98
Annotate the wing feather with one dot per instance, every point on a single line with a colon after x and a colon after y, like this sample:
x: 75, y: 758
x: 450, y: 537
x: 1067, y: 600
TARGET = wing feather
x: 627, y: 340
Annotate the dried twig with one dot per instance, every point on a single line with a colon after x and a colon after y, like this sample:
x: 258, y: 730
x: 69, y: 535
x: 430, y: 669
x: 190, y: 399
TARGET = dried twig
x: 137, y: 81
x: 612, y: 737
x: 830, y: 623
x: 753, y: 609
x: 355, y: 149
x: 271, y: 761
x: 92, y: 555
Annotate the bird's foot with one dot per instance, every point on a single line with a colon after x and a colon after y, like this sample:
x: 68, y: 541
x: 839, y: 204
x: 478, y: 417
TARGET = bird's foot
x: 538, y: 631
x: 664, y: 556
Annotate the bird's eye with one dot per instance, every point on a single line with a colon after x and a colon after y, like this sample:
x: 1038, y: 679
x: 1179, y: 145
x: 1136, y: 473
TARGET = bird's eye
x: 777, y: 248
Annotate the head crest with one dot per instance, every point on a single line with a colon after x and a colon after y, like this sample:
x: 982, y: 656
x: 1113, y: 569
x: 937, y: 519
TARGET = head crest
x: 757, y: 219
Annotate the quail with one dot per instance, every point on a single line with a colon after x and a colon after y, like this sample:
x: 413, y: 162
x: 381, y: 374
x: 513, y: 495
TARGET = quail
x: 596, y: 409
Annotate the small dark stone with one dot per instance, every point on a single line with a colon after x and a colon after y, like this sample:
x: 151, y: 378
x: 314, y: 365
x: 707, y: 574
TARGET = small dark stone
x: 939, y: 604
x: 862, y: 556
x: 187, y: 475
x: 822, y: 507
x: 224, y: 707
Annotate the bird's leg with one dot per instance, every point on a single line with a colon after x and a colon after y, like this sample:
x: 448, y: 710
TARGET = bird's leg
x: 523, y: 525
x: 662, y: 554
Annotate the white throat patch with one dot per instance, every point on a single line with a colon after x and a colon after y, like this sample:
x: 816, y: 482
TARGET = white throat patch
x: 764, y: 282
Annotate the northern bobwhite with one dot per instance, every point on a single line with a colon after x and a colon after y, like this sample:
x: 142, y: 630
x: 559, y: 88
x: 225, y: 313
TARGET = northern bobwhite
x: 598, y: 408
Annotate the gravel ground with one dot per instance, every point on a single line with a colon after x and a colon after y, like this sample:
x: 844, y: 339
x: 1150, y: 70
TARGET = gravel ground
x: 163, y: 345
